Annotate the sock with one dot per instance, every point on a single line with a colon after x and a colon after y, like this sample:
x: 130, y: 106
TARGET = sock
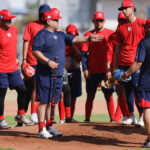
x: 68, y: 112
x: 123, y: 105
x: 21, y: 112
x: 110, y: 105
x: 61, y: 110
x: 72, y: 110
x: 41, y: 126
x: 88, y: 109
x: 48, y: 123
x: 37, y: 106
x: 118, y: 114
x: 1, y: 117
x: 33, y: 108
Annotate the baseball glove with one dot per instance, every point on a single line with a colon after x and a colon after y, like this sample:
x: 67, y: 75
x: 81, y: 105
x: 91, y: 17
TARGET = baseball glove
x: 28, y: 70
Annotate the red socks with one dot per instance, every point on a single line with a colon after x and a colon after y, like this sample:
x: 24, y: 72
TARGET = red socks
x: 1, y: 117
x: 118, y: 114
x: 61, y: 110
x: 88, y: 109
x: 110, y: 105
x: 21, y: 112
x: 48, y: 123
x: 41, y: 125
x: 68, y: 112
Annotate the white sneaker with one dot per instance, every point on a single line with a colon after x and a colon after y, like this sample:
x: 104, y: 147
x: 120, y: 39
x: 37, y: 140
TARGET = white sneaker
x: 61, y: 122
x: 124, y: 119
x: 44, y: 134
x: 130, y: 120
x: 141, y: 122
x: 34, y: 118
x: 54, y: 132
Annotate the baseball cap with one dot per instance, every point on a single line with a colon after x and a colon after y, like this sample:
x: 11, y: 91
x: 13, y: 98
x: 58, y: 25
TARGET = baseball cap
x: 126, y: 3
x: 6, y: 15
x: 98, y: 15
x: 43, y: 8
x: 57, y: 11
x: 148, y: 22
x: 121, y: 15
x: 72, y: 29
x: 51, y: 15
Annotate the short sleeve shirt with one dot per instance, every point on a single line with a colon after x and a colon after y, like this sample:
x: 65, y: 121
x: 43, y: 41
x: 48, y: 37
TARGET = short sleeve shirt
x: 31, y: 30
x: 97, y: 51
x: 8, y: 50
x: 143, y: 55
x: 51, y: 45
x: 129, y: 35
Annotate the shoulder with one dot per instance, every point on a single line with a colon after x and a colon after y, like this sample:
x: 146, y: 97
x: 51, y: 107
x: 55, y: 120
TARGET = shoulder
x: 141, y: 21
x: 13, y: 29
x: 108, y: 30
x: 89, y: 33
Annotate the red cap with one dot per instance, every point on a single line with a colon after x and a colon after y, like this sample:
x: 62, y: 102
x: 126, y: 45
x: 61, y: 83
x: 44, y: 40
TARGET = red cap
x: 98, y: 15
x: 121, y: 15
x: 57, y: 11
x: 148, y: 23
x: 6, y: 15
x: 72, y: 30
x: 126, y: 3
x: 51, y: 15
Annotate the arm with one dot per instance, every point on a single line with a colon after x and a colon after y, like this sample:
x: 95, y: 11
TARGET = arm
x: 44, y: 59
x: 91, y: 38
x: 25, y: 50
x: 76, y: 52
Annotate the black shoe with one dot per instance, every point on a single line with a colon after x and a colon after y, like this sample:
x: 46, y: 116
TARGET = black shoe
x: 19, y: 124
x: 70, y: 120
x: 87, y: 120
x: 146, y: 144
x: 54, y: 122
x: 112, y: 120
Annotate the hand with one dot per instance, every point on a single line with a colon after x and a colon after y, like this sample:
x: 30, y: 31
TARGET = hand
x: 18, y: 62
x: 96, y: 38
x: 52, y: 64
x: 87, y: 74
x: 108, y: 75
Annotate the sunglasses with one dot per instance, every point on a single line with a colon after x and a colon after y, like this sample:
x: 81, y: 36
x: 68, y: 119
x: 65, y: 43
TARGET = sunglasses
x: 99, y: 20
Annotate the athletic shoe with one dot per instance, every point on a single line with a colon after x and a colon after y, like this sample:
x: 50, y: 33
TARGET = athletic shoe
x: 130, y: 120
x: 61, y: 122
x: 87, y: 120
x: 124, y: 119
x: 141, y: 122
x: 112, y: 120
x: 54, y: 132
x: 71, y: 120
x: 4, y: 125
x: 146, y: 144
x: 34, y: 118
x: 23, y: 119
x: 19, y: 124
x: 44, y: 134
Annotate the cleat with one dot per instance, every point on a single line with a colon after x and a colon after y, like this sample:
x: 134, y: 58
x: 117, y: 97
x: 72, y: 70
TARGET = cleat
x: 130, y: 120
x: 23, y: 119
x: 146, y: 144
x: 70, y: 120
x: 54, y: 132
x: 4, y: 125
x: 112, y: 120
x: 124, y: 119
x: 141, y: 122
x: 87, y: 120
x: 34, y: 118
x: 44, y: 134
x: 61, y: 122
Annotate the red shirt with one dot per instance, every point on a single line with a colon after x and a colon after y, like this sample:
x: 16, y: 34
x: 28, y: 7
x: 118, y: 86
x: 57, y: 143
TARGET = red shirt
x: 129, y: 35
x: 97, y: 52
x: 8, y: 50
x: 69, y: 50
x: 31, y: 30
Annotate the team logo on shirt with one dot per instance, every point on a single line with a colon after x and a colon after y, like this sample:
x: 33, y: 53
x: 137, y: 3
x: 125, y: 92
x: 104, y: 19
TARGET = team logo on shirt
x: 55, y: 37
x: 9, y: 34
x: 129, y: 28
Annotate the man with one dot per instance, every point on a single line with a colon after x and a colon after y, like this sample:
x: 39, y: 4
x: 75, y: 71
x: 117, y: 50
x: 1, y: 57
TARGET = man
x: 142, y: 60
x: 28, y: 59
x: 47, y: 45
x: 94, y: 65
x: 9, y: 73
x: 129, y: 34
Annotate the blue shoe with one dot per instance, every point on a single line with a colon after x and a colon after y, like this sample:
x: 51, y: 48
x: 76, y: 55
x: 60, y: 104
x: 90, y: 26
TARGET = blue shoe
x: 53, y: 132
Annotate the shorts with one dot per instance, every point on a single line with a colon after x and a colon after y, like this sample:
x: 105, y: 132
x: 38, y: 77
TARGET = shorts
x: 44, y: 88
x: 74, y: 81
x: 92, y: 83
x: 10, y: 80
x: 144, y: 99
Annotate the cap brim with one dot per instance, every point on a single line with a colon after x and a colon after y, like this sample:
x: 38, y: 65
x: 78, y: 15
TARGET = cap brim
x: 8, y: 18
x: 121, y: 8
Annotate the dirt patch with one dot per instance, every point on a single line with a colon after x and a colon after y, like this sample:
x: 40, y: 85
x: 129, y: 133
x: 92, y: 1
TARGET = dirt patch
x: 79, y: 136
